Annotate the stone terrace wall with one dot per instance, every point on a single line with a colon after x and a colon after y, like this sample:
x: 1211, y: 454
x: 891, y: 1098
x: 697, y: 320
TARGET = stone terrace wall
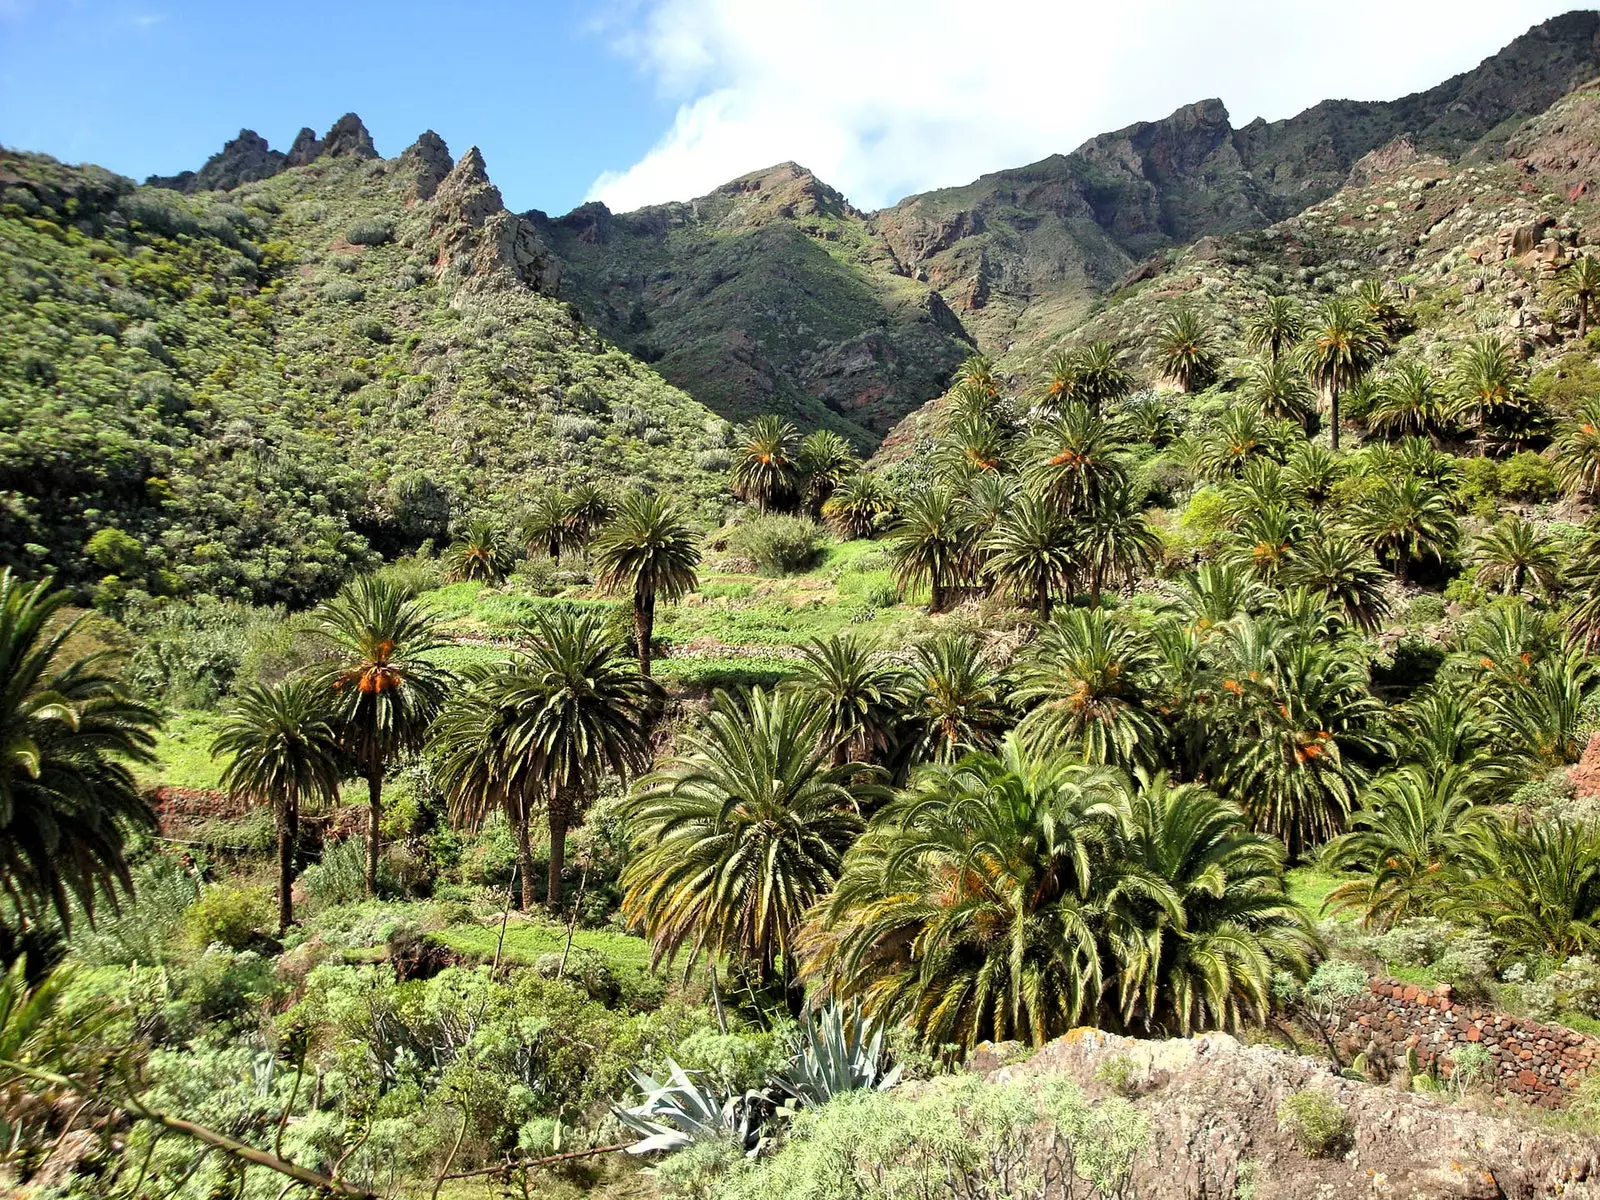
x: 1539, y: 1063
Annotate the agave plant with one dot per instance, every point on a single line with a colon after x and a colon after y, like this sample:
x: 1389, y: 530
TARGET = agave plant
x: 686, y: 1109
x: 840, y: 1050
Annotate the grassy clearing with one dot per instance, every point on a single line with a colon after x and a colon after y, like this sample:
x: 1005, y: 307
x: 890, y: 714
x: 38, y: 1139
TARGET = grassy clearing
x: 183, y: 753
x: 1309, y: 888
x: 527, y: 940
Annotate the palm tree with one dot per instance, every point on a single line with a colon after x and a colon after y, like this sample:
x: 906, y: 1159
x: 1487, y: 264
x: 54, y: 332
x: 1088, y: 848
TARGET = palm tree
x: 583, y: 709
x: 858, y: 504
x: 1342, y: 344
x: 765, y: 473
x: 1541, y: 721
x: 1381, y: 306
x: 928, y: 544
x: 825, y: 461
x: 1060, y: 381
x: 1030, y: 553
x: 1100, y: 379
x: 1242, y: 436
x: 1408, y: 521
x: 977, y: 372
x: 1274, y: 327
x: 1115, y: 541
x: 1578, y: 453
x: 1513, y: 554
x: 1583, y: 575
x: 385, y: 692
x: 283, y: 751
x: 1408, y: 829
x: 956, y: 698
x: 1186, y: 350
x: 481, y: 554
x: 1538, y: 888
x: 1085, y: 685
x: 649, y: 549
x: 1310, y: 472
x: 589, y: 507
x: 1488, y: 383
x: 1281, y: 391
x: 1445, y: 730
x: 1345, y: 574
x: 1579, y: 282
x: 68, y: 800
x: 548, y: 527
x: 1204, y: 923
x: 860, y: 692
x: 1149, y: 419
x: 1216, y: 593
x: 1268, y: 534
x: 973, y: 443
x: 1408, y: 404
x: 1074, y: 457
x: 970, y: 910
x: 740, y: 833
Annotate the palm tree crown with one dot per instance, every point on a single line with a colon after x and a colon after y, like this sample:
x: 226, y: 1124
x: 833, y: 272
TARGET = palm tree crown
x: 649, y: 549
x: 765, y: 473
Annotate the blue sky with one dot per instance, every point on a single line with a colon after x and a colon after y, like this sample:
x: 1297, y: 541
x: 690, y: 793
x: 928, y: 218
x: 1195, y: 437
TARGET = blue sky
x: 641, y: 101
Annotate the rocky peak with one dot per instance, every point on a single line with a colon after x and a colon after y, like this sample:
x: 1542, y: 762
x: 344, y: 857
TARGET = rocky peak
x: 248, y: 157
x: 430, y: 159
x: 349, y: 139
x: 481, y: 244
x: 245, y: 158
x: 785, y: 191
x: 465, y: 196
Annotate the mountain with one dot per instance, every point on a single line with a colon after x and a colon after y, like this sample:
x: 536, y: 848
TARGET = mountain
x: 247, y: 392
x: 774, y: 292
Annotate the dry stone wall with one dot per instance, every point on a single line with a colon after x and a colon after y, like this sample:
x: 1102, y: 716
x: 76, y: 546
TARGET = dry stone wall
x: 1536, y: 1062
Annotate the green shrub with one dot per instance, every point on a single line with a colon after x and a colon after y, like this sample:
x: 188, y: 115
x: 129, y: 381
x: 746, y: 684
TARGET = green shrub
x: 777, y: 545
x: 370, y: 233
x: 1527, y: 476
x: 343, y: 291
x: 145, y: 927
x: 1470, y: 1067
x: 229, y: 916
x: 1317, y: 1122
x: 340, y: 877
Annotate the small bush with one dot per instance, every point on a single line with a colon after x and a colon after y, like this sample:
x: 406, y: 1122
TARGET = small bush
x: 341, y: 876
x: 231, y: 917
x: 1470, y: 1066
x: 1317, y: 1123
x: 370, y: 233
x: 777, y: 545
x: 576, y: 429
x: 713, y: 461
x: 343, y: 291
x: 1527, y: 476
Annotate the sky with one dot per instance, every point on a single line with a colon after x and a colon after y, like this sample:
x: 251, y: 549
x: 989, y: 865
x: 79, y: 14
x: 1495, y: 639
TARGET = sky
x: 635, y: 102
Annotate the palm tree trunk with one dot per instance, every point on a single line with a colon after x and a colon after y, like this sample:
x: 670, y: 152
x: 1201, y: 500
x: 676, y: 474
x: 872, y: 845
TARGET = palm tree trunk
x: 935, y: 594
x: 1333, y: 416
x: 644, y: 625
x: 1583, y: 316
x: 525, y: 856
x: 288, y: 829
x: 1041, y: 602
x: 560, y: 814
x: 374, y: 822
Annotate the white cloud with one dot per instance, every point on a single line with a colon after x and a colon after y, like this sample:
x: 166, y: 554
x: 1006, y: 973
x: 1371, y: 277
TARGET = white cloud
x: 882, y: 98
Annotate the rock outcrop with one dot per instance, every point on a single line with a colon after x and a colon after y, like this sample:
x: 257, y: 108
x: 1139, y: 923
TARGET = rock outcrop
x: 481, y: 244
x: 248, y: 157
x: 429, y: 158
x: 1213, y: 1105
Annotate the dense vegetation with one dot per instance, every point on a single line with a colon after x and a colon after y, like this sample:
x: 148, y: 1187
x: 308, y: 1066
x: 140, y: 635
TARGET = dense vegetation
x: 445, y: 767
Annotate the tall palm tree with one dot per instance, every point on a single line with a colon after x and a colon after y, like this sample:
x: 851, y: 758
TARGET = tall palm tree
x: 970, y: 909
x: 972, y: 444
x: 1342, y: 344
x: 740, y: 833
x: 1488, y: 382
x: 1086, y: 685
x: 1115, y: 542
x: 68, y: 800
x: 765, y: 472
x: 1408, y: 404
x: 548, y: 526
x: 825, y: 461
x: 1516, y: 558
x: 1410, y: 825
x: 860, y: 692
x: 1578, y: 453
x: 1280, y: 389
x: 1345, y: 574
x: 649, y: 549
x: 1579, y: 282
x: 858, y: 505
x: 1310, y: 472
x: 1074, y: 457
x: 481, y: 554
x: 1186, y: 350
x: 1406, y: 522
x: 1100, y: 378
x: 1381, y: 305
x: 957, y: 698
x: 1204, y: 923
x: 928, y: 544
x: 1242, y: 436
x: 1031, y: 553
x: 589, y: 507
x: 385, y: 692
x: 283, y: 751
x: 1274, y: 326
x: 583, y: 709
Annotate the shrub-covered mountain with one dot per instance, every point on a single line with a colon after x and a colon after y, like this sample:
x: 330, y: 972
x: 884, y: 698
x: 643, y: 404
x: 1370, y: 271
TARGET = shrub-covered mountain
x: 773, y: 292
x: 247, y: 392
